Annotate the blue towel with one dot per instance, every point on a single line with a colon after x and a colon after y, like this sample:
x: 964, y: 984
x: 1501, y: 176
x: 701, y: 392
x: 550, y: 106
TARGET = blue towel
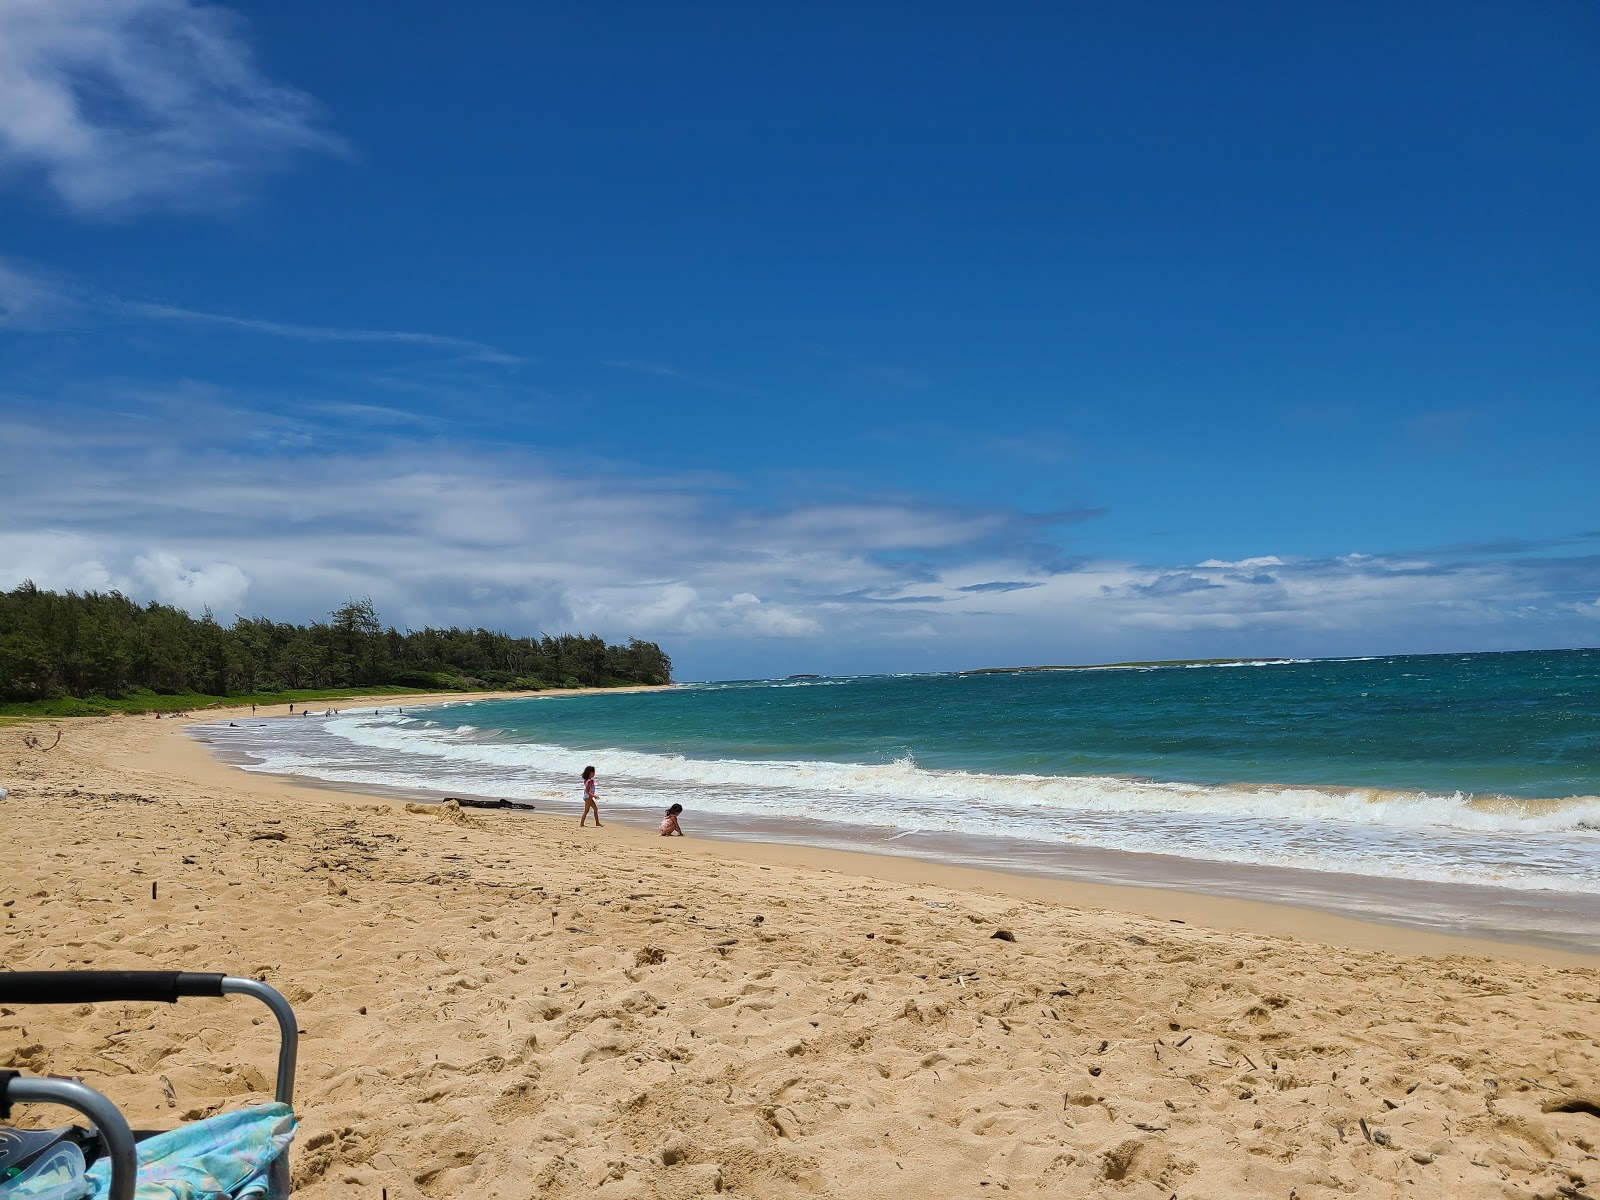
x: 229, y: 1155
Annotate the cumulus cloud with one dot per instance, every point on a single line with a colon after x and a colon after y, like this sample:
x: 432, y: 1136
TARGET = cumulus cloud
x: 683, y: 610
x: 746, y: 614
x: 56, y: 559
x: 165, y: 576
x: 126, y: 105
x: 1264, y: 560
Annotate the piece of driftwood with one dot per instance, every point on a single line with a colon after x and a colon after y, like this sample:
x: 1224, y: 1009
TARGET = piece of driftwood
x: 517, y: 804
x: 32, y: 742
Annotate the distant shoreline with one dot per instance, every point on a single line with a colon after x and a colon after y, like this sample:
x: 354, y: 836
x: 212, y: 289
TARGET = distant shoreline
x: 273, y: 703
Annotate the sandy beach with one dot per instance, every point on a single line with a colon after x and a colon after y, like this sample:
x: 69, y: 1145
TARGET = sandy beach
x: 505, y: 1005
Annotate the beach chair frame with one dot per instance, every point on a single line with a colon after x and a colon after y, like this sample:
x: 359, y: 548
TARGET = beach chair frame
x: 105, y: 1116
x: 135, y: 987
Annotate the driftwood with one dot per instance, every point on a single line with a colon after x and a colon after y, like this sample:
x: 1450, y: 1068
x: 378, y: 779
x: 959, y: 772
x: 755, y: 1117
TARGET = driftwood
x: 32, y: 742
x: 517, y: 804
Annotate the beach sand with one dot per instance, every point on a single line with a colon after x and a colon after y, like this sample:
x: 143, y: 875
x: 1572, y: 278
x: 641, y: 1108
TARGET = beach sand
x: 503, y: 1005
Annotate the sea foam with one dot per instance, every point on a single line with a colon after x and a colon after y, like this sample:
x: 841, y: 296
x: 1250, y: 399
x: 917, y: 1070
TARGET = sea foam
x: 1505, y: 841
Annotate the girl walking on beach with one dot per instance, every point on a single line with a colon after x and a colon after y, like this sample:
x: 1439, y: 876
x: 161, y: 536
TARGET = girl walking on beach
x: 589, y: 804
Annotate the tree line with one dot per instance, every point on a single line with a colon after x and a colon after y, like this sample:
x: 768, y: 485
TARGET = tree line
x: 55, y: 644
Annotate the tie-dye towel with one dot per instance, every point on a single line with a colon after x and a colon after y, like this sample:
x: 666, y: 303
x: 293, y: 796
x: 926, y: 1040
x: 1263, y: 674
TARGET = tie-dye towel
x: 230, y: 1155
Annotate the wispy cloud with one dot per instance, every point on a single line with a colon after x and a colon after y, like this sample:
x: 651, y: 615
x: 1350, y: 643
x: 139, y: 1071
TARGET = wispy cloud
x: 1501, y: 547
x: 1000, y: 585
x: 33, y: 300
x: 319, y: 333
x: 1171, y: 583
x: 122, y: 106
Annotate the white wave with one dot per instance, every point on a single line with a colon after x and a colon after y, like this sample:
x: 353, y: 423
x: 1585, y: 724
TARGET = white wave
x: 1253, y: 662
x: 1540, y: 845
x: 904, y: 782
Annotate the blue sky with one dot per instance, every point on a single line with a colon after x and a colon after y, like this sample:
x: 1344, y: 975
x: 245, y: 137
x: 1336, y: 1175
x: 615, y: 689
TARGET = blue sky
x: 813, y: 338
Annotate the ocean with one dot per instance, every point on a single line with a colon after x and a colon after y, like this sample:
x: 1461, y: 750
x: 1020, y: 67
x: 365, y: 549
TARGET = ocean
x: 1457, y: 792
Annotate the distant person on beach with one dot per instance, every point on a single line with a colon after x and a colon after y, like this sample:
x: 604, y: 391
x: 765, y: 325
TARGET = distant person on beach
x: 589, y: 803
x: 669, y: 823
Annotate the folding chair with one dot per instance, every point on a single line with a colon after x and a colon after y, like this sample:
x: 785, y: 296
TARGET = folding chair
x: 194, y: 1157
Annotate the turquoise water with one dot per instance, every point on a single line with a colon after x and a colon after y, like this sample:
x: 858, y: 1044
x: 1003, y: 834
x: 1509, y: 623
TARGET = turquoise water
x: 1525, y: 725
x: 1455, y: 771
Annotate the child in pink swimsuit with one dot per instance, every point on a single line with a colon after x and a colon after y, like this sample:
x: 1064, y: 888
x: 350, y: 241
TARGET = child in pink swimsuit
x: 669, y: 823
x: 590, y: 801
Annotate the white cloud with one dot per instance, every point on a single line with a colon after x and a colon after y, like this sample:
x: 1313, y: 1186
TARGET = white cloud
x: 320, y: 333
x: 746, y: 616
x: 679, y: 610
x: 510, y: 539
x: 886, y: 525
x: 124, y: 105
x: 1245, y: 564
x: 56, y: 560
x: 220, y: 586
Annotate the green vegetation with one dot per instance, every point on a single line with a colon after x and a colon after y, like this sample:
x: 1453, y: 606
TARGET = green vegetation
x: 81, y: 654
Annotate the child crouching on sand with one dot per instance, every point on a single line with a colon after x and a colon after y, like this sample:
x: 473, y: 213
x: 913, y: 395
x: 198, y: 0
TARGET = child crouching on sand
x: 669, y: 823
